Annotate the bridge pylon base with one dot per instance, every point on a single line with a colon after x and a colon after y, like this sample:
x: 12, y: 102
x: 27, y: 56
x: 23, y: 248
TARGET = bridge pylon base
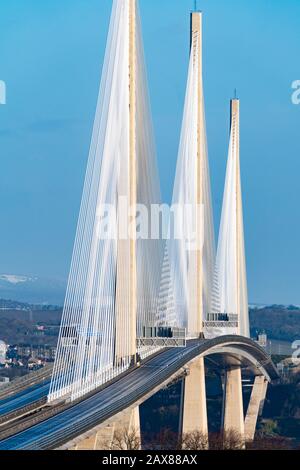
x: 257, y: 399
x: 123, y: 434
x: 194, y: 416
x: 233, y: 411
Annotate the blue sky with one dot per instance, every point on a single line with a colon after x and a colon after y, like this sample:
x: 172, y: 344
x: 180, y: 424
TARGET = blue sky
x: 51, y: 54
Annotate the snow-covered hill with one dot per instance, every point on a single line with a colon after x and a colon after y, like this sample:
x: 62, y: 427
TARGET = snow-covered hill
x: 32, y: 289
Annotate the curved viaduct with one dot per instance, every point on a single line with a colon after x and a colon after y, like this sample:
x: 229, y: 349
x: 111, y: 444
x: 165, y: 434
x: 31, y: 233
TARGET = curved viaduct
x: 84, y: 419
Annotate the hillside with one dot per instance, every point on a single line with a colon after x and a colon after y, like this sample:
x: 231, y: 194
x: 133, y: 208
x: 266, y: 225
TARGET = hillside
x: 278, y: 321
x: 19, y: 320
x: 19, y: 323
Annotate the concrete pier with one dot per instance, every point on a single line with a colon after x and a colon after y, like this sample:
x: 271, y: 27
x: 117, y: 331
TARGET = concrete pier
x: 194, y: 403
x: 233, y: 413
x: 255, y: 407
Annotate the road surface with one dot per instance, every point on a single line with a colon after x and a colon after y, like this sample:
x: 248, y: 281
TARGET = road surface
x: 118, y: 396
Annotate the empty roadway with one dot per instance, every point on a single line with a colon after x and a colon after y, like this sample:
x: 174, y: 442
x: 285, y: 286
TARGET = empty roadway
x: 121, y: 394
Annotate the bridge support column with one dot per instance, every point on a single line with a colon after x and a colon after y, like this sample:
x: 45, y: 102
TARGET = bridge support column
x: 255, y: 407
x: 194, y: 402
x: 102, y: 439
x: 124, y: 432
x: 129, y: 423
x: 233, y: 412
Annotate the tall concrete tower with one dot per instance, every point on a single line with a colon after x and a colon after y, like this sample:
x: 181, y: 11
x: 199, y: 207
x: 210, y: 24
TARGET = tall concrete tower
x: 196, y: 291
x: 241, y: 278
x: 132, y: 173
x: 126, y: 281
x: 231, y: 259
x: 114, y: 277
x: 194, y: 403
x: 231, y: 265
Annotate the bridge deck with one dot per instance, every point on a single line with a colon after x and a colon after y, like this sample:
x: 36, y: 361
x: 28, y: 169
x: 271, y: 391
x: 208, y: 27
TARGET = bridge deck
x: 94, y: 410
x: 24, y: 398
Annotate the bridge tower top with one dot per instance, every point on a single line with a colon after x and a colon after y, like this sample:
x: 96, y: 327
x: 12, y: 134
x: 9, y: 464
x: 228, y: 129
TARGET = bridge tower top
x: 196, y: 51
x: 231, y: 262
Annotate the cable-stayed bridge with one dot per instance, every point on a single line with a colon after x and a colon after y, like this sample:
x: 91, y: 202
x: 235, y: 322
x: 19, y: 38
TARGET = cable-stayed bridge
x: 146, y: 302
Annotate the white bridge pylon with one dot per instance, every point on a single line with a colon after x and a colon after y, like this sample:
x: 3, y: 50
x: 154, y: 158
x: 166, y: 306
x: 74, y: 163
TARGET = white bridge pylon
x: 230, y: 273
x: 192, y: 257
x: 113, y: 285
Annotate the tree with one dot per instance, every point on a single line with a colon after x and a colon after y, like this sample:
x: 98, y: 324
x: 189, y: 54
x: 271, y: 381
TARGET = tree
x: 195, y: 440
x: 226, y: 440
x: 125, y: 439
